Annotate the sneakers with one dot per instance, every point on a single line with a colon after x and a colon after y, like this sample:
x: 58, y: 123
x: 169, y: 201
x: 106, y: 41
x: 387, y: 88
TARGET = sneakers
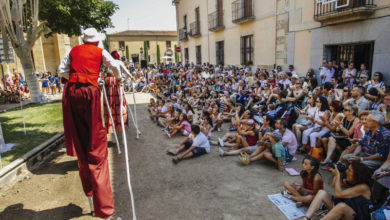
x: 214, y: 142
x: 172, y: 152
x: 221, y: 152
x: 220, y: 142
x: 167, y: 132
x: 175, y: 160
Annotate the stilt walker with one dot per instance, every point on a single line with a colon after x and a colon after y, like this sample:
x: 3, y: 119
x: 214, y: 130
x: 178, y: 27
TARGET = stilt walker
x: 112, y: 88
x: 85, y: 135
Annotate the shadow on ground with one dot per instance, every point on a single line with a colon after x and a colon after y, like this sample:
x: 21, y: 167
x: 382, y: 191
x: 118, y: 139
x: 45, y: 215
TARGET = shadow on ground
x: 18, y: 212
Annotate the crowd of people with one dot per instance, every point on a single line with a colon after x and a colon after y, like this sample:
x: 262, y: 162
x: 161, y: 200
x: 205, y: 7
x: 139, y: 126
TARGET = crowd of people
x: 339, y: 122
x: 50, y: 84
x: 13, y: 88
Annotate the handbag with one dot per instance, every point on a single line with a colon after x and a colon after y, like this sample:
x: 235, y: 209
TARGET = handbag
x: 338, y: 135
x: 303, y: 121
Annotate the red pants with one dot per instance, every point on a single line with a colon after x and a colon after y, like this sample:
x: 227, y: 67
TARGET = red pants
x: 82, y: 107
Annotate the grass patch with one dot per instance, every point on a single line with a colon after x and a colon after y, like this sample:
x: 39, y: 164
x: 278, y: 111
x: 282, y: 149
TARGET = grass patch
x: 42, y: 122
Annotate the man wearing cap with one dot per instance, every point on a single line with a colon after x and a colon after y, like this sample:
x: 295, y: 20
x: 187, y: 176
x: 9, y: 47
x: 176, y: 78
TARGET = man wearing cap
x: 83, y: 125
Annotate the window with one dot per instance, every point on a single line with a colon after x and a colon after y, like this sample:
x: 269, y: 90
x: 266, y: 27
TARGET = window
x: 198, y: 54
x: 121, y: 45
x: 357, y: 53
x: 168, y: 44
x: 247, y: 50
x: 220, y: 52
x: 186, y: 55
x: 185, y: 21
x: 148, y: 44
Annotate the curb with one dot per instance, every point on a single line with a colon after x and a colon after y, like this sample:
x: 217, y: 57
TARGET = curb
x: 20, y: 168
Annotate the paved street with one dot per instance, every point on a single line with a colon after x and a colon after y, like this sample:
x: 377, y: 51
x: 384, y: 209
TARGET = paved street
x: 209, y: 187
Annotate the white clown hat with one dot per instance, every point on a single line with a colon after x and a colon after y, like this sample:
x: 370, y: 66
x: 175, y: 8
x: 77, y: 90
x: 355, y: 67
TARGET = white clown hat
x: 91, y: 35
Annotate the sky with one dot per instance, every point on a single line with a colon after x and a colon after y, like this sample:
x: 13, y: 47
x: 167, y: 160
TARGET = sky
x: 144, y: 15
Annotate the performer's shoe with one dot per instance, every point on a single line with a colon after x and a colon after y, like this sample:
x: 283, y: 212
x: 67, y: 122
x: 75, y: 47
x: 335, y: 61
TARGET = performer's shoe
x: 90, y: 200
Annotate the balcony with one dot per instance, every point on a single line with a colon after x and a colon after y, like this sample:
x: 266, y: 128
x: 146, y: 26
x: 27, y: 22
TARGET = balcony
x: 340, y: 11
x: 242, y: 11
x: 216, y: 21
x: 183, y: 35
x: 195, y: 29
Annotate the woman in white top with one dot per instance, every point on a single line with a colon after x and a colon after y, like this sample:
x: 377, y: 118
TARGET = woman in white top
x: 319, y: 129
x: 307, y: 112
x: 349, y: 74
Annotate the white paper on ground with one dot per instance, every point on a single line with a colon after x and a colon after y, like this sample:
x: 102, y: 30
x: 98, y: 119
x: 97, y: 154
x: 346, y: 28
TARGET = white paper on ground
x: 7, y: 147
x: 292, y: 171
x: 287, y: 206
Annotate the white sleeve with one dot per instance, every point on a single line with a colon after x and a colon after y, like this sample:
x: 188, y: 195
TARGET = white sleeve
x: 64, y: 67
x: 111, y: 63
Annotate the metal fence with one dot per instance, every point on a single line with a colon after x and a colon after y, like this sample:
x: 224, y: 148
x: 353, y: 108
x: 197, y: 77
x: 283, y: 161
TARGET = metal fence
x: 216, y: 20
x: 242, y: 9
x: 321, y: 9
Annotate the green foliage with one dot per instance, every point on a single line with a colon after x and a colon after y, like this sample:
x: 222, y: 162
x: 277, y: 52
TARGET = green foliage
x: 42, y: 122
x: 146, y: 52
x: 70, y: 16
x: 127, y: 53
x: 158, y: 54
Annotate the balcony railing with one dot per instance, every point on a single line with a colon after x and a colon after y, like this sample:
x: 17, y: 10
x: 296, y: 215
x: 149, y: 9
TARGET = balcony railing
x: 183, y: 34
x: 216, y: 21
x: 242, y: 11
x: 195, y: 29
x: 339, y: 11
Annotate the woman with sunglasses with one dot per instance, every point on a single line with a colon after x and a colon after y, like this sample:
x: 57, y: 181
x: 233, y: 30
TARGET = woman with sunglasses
x: 344, y: 131
x: 358, y: 134
x: 378, y: 83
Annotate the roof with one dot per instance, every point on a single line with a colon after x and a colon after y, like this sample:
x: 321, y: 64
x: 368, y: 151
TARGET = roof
x: 144, y: 33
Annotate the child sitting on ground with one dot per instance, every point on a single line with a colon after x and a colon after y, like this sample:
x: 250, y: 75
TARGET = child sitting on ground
x: 277, y: 153
x: 183, y: 126
x: 311, y: 183
x: 192, y: 146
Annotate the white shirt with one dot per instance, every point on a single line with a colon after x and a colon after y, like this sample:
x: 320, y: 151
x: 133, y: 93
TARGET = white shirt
x: 108, y: 60
x: 201, y: 141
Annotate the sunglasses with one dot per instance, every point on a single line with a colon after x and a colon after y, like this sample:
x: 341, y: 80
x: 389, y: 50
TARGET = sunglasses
x: 347, y: 110
x: 346, y: 91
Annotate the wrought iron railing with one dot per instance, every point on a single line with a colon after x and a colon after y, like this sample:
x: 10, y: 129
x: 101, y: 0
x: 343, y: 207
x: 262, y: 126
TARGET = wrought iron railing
x: 183, y: 34
x: 216, y: 20
x: 321, y: 8
x: 195, y: 29
x: 242, y: 10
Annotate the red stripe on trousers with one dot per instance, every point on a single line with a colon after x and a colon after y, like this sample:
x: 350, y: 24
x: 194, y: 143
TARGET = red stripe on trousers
x: 90, y: 141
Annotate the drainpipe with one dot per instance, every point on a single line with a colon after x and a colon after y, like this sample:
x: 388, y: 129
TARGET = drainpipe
x: 208, y: 32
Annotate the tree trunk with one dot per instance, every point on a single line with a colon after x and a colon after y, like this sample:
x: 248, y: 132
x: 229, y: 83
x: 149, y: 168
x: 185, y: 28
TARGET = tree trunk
x: 31, y: 79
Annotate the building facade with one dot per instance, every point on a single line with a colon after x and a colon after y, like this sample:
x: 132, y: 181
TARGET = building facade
x: 135, y: 40
x: 355, y: 31
x: 47, y: 54
x: 267, y: 33
x: 233, y: 32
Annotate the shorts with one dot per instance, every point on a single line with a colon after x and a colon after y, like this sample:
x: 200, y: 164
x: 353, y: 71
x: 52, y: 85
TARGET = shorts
x: 198, y: 151
x: 253, y: 148
x: 186, y: 133
x: 195, y: 152
x: 327, y: 135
